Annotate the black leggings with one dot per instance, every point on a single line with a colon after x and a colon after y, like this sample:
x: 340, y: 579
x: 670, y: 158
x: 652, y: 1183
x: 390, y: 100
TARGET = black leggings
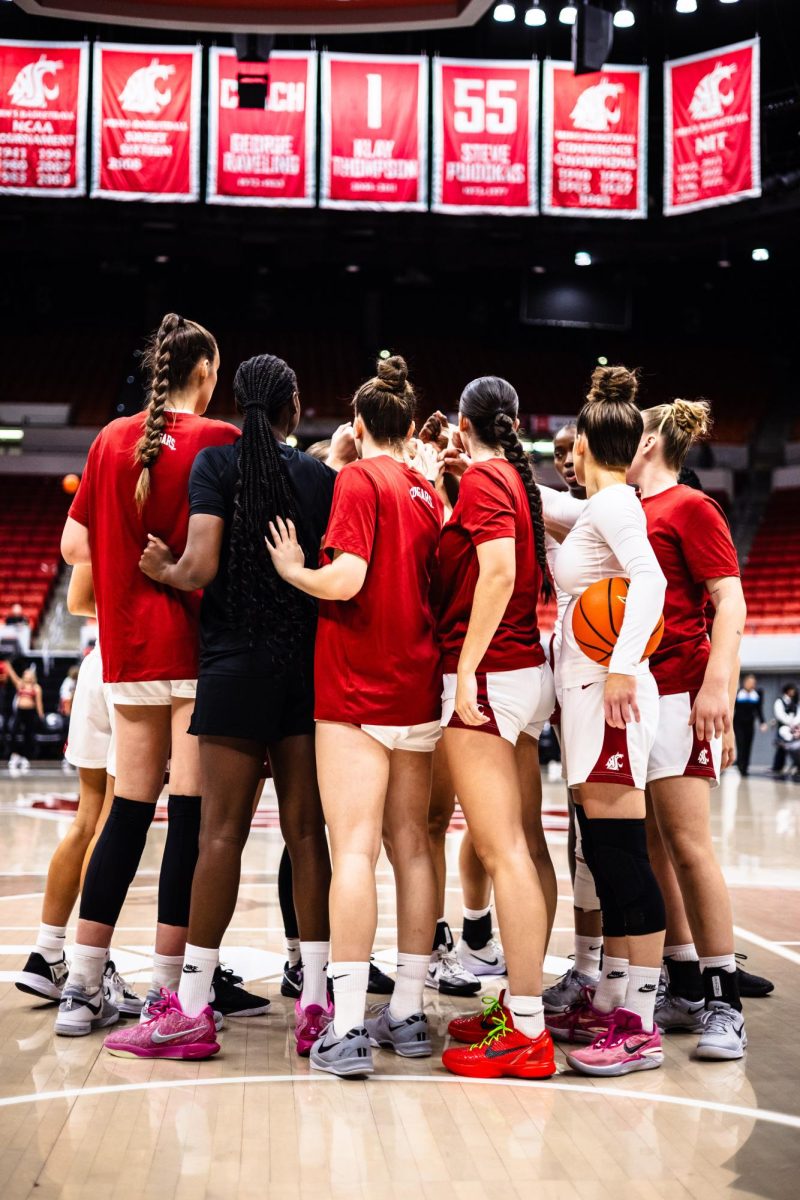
x: 22, y: 726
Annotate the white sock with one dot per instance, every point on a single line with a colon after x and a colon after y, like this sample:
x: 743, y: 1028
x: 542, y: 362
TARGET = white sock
x: 350, y: 982
x: 724, y: 962
x: 409, y: 987
x: 475, y: 914
x: 685, y: 953
x: 293, y: 951
x: 167, y: 972
x: 613, y: 983
x: 50, y: 942
x: 199, y: 965
x: 527, y: 1012
x: 640, y: 996
x: 587, y: 954
x: 315, y: 982
x: 87, y: 966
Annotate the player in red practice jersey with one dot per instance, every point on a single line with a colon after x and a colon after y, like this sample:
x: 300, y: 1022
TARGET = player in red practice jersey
x: 492, y: 567
x: 377, y: 706
x: 693, y: 545
x: 136, y: 483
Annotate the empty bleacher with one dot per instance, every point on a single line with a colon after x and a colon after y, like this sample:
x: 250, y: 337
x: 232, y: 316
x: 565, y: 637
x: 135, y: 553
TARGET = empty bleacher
x: 32, y: 514
x: 771, y: 576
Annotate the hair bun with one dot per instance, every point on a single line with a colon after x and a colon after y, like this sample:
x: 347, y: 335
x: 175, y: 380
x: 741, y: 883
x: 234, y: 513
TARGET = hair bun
x: 613, y: 385
x: 393, y: 373
x: 692, y: 417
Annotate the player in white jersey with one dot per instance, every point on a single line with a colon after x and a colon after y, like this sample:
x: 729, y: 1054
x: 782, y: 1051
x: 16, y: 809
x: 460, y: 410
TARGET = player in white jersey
x: 608, y: 723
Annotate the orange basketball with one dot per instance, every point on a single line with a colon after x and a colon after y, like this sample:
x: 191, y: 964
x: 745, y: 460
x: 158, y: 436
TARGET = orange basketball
x: 70, y: 484
x: 597, y: 620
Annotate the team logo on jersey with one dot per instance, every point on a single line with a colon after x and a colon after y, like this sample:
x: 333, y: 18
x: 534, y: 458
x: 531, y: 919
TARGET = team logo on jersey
x: 591, y: 110
x: 30, y: 88
x: 419, y: 493
x: 703, y: 758
x: 141, y: 93
x: 616, y: 762
x: 709, y: 100
x: 169, y: 441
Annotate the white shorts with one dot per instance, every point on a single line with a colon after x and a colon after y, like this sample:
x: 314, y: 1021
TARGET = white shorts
x: 677, y: 751
x: 154, y: 691
x: 420, y: 738
x: 594, y: 752
x: 91, y: 741
x: 515, y: 702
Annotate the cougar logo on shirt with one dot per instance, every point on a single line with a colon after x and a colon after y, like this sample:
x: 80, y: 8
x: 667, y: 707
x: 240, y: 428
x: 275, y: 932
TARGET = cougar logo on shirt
x: 615, y: 763
x: 169, y: 441
x: 702, y: 758
x: 418, y: 493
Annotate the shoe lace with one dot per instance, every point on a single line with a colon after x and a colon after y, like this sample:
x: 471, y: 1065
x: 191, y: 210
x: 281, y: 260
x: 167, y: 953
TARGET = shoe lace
x: 158, y: 1007
x: 490, y: 1006
x: 228, y: 976
x: 717, y: 1019
x: 450, y: 962
x: 500, y: 1026
x: 740, y: 957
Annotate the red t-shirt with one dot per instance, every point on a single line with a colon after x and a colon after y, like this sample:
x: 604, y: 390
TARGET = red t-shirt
x: 376, y: 660
x: 147, y: 631
x: 692, y: 543
x: 492, y: 504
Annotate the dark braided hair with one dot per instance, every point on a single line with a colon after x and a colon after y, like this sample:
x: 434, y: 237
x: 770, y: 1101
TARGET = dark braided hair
x: 492, y: 404
x: 170, y: 357
x: 258, y: 598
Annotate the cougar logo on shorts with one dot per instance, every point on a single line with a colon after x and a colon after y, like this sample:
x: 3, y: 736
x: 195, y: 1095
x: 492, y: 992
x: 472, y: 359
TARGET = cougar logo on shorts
x: 703, y: 758
x: 616, y: 762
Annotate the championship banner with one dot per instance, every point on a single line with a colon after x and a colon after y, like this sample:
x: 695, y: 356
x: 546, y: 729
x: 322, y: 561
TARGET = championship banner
x: 712, y: 147
x: 484, y: 136
x: 374, y: 132
x: 146, y: 113
x: 594, y: 156
x: 263, y: 156
x: 43, y: 88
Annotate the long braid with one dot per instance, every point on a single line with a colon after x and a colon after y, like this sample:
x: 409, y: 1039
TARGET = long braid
x: 257, y: 597
x: 515, y: 454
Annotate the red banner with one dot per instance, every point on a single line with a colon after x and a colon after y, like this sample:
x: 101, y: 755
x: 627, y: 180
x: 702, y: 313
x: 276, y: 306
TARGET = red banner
x: 146, y: 112
x: 484, y: 136
x: 43, y: 118
x: 263, y: 156
x: 594, y: 157
x: 374, y: 132
x: 712, y: 149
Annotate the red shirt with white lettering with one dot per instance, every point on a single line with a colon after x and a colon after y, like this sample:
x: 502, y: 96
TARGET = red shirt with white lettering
x: 147, y: 631
x: 376, y: 660
x: 692, y: 542
x: 492, y: 504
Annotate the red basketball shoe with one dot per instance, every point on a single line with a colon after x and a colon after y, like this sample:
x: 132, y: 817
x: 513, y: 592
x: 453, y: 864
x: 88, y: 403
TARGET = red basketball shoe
x: 475, y: 1026
x: 504, y: 1051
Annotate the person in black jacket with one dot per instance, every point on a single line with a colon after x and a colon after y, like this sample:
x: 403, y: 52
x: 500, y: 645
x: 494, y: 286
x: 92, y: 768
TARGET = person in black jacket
x: 748, y: 709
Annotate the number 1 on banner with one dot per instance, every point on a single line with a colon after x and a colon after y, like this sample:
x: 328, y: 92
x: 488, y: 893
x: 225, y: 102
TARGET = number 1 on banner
x: 473, y: 113
x: 374, y: 101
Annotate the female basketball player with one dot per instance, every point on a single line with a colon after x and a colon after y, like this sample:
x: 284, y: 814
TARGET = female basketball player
x: 608, y: 724
x: 378, y: 711
x: 693, y: 545
x: 255, y: 696
x: 136, y: 483
x: 492, y: 566
x: 28, y: 711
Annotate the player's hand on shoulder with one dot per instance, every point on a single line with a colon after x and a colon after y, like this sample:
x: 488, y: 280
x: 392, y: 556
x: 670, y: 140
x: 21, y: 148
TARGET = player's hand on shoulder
x: 284, y: 549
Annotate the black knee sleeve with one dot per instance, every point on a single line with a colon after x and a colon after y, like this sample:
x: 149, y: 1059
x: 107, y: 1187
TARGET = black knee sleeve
x: 286, y: 896
x: 115, y: 860
x: 624, y: 872
x: 179, y: 861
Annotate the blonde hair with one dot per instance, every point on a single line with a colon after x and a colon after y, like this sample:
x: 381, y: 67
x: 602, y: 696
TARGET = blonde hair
x: 679, y: 425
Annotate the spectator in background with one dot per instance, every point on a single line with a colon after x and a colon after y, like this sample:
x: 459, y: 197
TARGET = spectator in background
x: 787, y: 725
x: 748, y: 709
x: 16, y: 616
x: 67, y: 691
x: 28, y: 711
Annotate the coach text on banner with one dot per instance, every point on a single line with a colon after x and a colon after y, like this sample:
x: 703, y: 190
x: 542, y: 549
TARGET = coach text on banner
x: 374, y: 132
x: 43, y: 89
x: 594, y: 142
x: 146, y: 114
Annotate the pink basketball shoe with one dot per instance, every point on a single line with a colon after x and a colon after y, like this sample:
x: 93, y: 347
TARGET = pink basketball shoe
x: 310, y: 1024
x: 168, y: 1034
x: 581, y: 1022
x: 625, y: 1047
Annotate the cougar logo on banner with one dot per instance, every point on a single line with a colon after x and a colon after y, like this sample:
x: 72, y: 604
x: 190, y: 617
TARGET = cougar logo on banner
x: 591, y: 110
x: 141, y: 95
x: 709, y: 100
x: 29, y: 89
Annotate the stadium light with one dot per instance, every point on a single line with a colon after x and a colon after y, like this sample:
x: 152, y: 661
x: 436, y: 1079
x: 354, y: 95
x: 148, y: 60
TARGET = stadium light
x: 536, y: 14
x: 505, y: 12
x: 568, y: 14
x: 623, y: 17
x: 729, y: 1
x: 352, y: 268
x: 583, y: 259
x: 685, y: 6
x: 602, y: 361
x: 723, y: 262
x: 760, y: 254
x: 11, y: 435
x: 385, y: 354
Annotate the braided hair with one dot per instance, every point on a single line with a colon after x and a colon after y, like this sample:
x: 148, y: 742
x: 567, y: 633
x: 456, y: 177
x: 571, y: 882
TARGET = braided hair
x: 492, y: 404
x: 171, y: 355
x: 258, y: 598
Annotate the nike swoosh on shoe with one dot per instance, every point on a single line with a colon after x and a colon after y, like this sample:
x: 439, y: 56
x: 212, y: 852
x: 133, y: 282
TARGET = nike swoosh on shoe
x: 501, y: 1053
x: 158, y: 1039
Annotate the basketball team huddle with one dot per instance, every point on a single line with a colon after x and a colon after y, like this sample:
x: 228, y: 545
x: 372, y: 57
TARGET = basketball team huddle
x: 364, y: 625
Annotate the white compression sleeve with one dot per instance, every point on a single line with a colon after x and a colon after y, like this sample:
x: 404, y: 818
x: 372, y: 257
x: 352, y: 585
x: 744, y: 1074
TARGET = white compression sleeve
x: 561, y: 511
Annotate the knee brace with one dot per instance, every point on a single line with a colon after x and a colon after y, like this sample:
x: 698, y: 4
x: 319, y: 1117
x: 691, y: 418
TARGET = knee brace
x: 115, y: 860
x: 624, y: 872
x: 179, y: 861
